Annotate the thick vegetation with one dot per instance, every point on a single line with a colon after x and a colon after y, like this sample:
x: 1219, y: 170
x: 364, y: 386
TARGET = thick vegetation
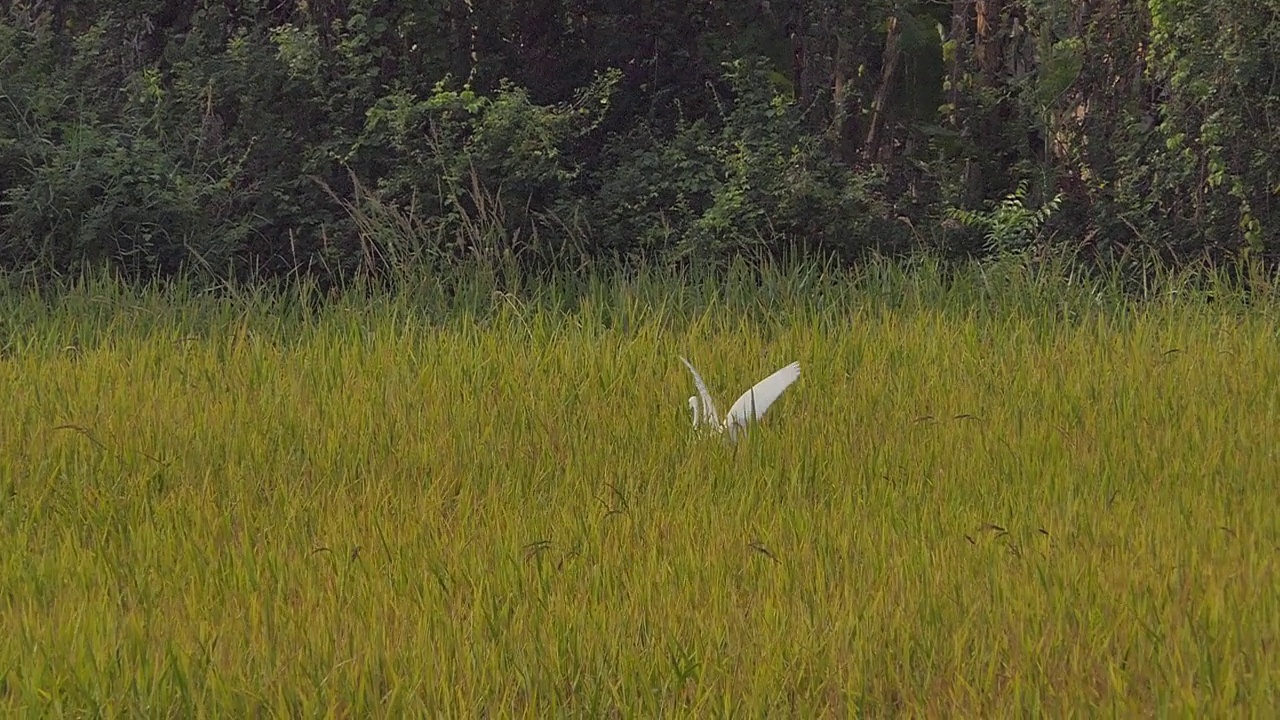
x: 255, y: 138
x: 990, y: 495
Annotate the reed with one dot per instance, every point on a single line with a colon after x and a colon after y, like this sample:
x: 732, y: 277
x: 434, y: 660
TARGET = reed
x: 985, y: 496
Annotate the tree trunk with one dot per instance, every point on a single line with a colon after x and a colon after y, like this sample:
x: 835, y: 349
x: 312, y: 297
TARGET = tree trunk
x: 888, y: 72
x: 842, y: 126
x: 960, y: 38
x: 987, y: 39
x: 462, y: 39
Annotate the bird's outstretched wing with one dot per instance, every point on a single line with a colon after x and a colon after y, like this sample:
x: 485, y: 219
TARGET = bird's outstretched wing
x: 708, y: 405
x: 754, y: 402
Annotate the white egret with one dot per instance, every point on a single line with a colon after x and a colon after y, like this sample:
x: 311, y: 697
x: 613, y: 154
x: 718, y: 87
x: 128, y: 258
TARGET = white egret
x: 749, y: 408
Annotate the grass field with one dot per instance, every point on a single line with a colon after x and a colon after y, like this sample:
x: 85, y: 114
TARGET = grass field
x: 983, y: 498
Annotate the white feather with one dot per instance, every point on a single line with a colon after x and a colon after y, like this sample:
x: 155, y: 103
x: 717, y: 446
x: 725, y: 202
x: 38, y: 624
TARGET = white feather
x: 750, y: 407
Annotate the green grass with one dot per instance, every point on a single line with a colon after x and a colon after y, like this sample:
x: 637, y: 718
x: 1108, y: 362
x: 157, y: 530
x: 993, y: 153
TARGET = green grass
x: 986, y: 496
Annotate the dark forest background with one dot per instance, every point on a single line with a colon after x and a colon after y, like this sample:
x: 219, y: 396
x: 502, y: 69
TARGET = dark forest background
x: 277, y: 138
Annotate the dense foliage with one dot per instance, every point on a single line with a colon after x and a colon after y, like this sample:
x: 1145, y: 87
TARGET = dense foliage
x: 262, y: 138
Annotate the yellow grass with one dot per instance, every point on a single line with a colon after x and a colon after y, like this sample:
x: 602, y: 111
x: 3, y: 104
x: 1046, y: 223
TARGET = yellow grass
x: 216, y: 508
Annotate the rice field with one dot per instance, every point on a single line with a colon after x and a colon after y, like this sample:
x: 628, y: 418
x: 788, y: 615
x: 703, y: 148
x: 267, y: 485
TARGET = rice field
x: 982, y: 498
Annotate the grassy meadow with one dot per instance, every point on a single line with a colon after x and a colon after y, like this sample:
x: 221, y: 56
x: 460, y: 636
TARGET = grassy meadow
x: 988, y: 495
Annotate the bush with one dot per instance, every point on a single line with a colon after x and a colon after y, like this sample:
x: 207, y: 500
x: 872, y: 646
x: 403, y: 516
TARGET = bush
x: 488, y: 173
x: 184, y: 170
x: 263, y: 139
x: 750, y: 180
